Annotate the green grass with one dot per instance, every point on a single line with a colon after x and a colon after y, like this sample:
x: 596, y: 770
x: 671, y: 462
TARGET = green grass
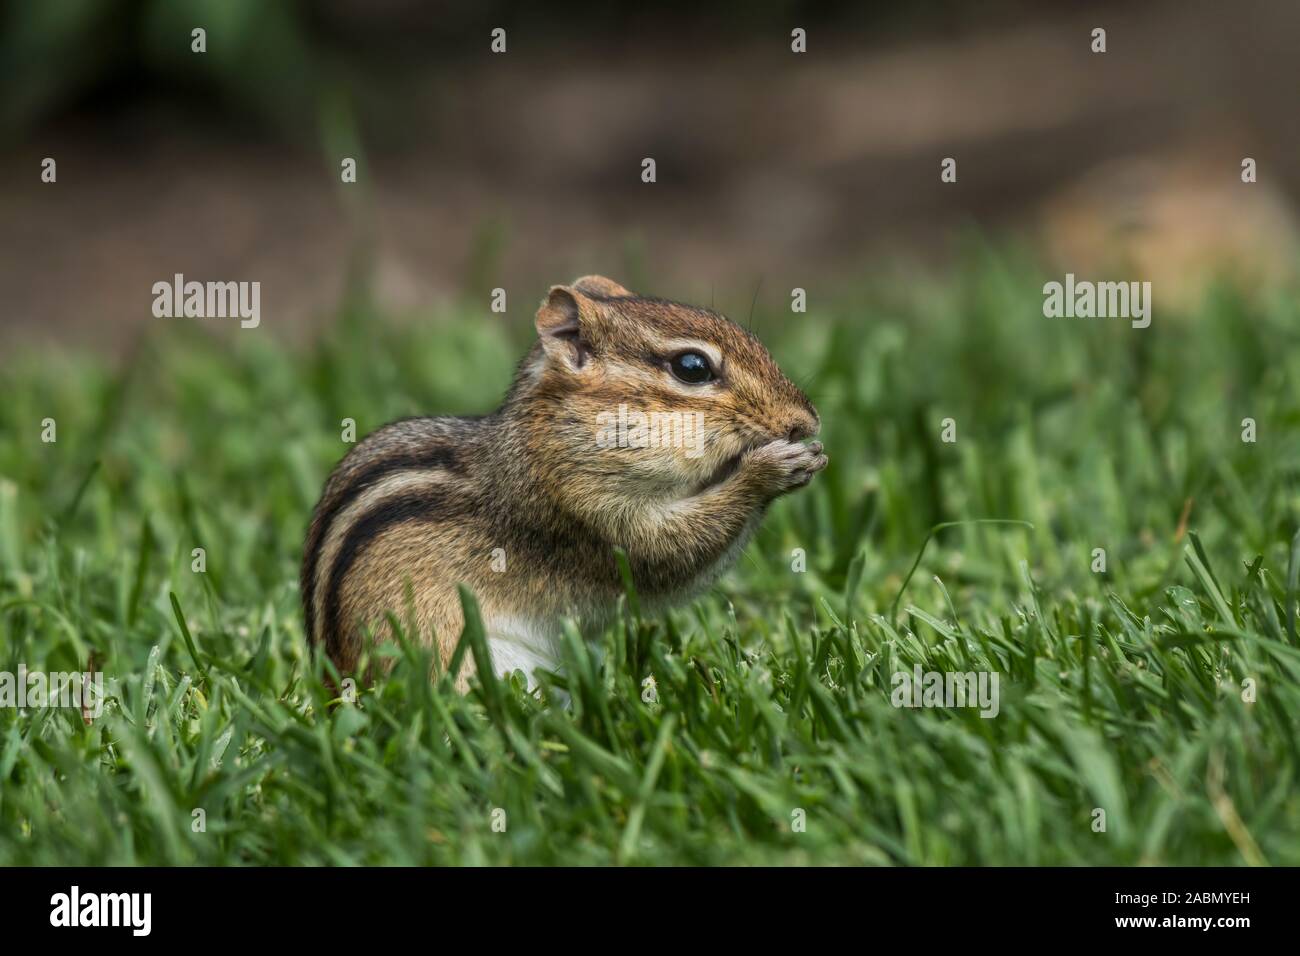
x: 1120, y: 691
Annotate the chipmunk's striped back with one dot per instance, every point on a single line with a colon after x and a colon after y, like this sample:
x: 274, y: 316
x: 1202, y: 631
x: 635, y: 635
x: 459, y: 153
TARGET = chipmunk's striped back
x: 406, y: 474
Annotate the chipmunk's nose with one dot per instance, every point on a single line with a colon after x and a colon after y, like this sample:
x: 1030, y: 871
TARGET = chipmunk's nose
x: 803, y: 426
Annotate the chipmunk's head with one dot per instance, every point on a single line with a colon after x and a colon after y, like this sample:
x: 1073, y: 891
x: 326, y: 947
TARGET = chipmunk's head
x: 651, y: 396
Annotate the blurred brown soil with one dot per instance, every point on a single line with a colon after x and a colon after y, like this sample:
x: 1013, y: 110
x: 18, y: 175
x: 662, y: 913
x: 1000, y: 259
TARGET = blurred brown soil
x: 802, y: 170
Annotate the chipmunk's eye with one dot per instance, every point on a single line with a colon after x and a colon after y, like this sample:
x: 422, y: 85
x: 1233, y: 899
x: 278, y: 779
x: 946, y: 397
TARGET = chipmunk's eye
x: 692, y: 368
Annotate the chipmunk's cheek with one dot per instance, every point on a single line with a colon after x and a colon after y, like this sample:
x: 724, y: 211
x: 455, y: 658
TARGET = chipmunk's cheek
x: 703, y: 455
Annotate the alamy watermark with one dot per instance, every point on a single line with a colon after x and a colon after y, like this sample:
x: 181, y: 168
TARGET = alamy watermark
x: 133, y: 911
x: 1102, y: 300
x: 629, y: 428
x: 209, y: 300
x: 947, y: 689
x: 81, y: 690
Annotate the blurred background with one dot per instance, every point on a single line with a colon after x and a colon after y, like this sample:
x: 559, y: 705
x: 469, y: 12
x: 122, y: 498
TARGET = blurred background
x: 478, y: 170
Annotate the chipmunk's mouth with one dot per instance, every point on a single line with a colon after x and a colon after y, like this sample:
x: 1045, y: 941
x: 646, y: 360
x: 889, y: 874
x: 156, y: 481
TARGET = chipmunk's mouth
x: 721, y: 473
x: 728, y: 466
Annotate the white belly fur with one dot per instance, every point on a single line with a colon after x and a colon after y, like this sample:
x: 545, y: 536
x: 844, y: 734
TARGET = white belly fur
x: 524, y: 645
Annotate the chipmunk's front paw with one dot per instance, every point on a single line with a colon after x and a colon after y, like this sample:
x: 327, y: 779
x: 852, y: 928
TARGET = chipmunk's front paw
x: 782, y: 466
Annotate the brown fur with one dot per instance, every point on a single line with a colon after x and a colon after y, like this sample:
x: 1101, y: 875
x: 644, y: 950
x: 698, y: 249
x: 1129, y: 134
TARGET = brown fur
x: 420, y: 505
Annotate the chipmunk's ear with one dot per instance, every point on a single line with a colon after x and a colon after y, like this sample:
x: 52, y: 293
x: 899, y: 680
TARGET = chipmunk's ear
x: 568, y: 324
x: 599, y: 285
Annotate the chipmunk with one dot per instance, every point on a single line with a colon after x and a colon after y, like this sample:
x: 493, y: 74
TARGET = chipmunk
x: 525, y: 506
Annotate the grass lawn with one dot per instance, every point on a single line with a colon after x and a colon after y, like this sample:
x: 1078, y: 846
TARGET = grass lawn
x: 1161, y: 691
